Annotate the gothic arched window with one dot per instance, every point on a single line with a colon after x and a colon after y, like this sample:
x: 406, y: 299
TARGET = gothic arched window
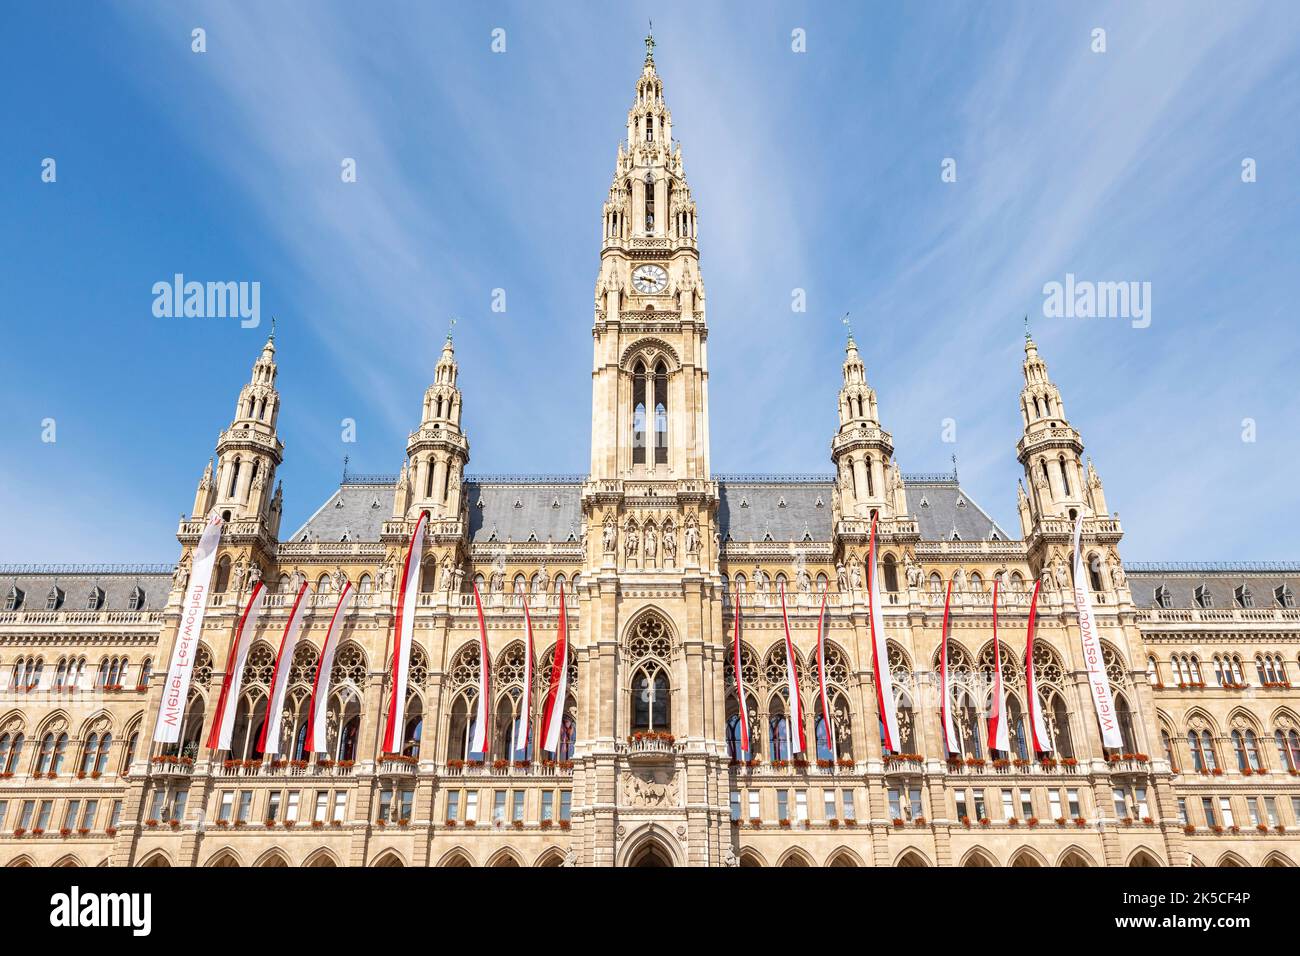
x: 891, y: 573
x: 1246, y: 747
x: 638, y: 414
x: 661, y: 414
x: 1288, y: 750
x: 650, y: 699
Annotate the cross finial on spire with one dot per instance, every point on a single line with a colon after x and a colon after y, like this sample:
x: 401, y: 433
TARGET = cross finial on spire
x: 450, y: 325
x: 1027, y: 336
x: 272, y: 328
x: 848, y: 325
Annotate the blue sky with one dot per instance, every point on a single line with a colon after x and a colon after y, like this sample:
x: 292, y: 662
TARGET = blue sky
x: 816, y: 170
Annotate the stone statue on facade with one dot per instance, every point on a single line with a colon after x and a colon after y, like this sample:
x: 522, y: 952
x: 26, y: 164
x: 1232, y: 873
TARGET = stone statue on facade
x: 841, y: 577
x: 855, y: 574
x: 609, y: 536
x: 632, y: 541
x: 651, y: 546
x: 692, y: 536
x: 913, y: 571
x: 670, y: 545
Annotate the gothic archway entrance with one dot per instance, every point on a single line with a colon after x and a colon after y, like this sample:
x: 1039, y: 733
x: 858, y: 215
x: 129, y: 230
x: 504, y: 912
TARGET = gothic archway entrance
x: 650, y: 853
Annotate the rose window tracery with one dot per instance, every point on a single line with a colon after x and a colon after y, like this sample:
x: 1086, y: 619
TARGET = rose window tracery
x: 349, y: 666
x: 650, y: 639
x: 203, y: 667
x: 260, y: 665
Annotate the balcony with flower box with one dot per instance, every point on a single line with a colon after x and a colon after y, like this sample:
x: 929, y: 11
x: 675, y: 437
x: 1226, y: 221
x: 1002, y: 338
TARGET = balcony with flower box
x: 904, y: 765
x: 164, y: 766
x: 1129, y: 764
x: 651, y: 745
x: 398, y: 765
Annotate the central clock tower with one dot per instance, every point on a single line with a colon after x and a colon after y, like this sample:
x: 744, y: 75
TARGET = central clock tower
x: 650, y: 373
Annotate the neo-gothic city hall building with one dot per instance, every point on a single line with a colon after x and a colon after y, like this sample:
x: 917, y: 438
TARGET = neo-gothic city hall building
x: 655, y: 551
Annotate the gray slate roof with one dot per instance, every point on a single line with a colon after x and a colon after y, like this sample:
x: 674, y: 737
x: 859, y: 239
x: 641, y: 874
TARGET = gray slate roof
x: 76, y: 582
x: 515, y: 509
x: 1221, y: 581
x: 941, y: 506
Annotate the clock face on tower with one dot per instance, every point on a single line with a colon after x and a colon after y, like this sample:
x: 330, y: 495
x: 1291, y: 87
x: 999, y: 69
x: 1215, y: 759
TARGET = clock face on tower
x: 649, y: 279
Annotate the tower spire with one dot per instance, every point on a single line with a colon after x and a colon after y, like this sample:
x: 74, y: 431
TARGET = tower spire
x: 650, y: 48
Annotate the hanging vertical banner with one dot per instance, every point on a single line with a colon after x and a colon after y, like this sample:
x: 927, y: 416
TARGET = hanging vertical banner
x: 1092, y: 655
x: 999, y: 737
x: 269, y: 742
x: 822, y: 688
x: 798, y: 741
x: 223, y: 721
x: 403, y: 633
x: 526, y: 703
x: 557, y: 692
x: 950, y: 742
x: 177, y: 686
x: 744, y: 751
x: 1037, y: 728
x: 320, y: 688
x: 479, y: 736
x: 888, y: 707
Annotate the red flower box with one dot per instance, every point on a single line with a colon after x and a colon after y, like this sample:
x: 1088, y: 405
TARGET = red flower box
x: 451, y: 823
x: 65, y: 832
x: 1080, y: 822
x: 564, y: 824
x: 920, y: 821
x: 756, y: 822
x: 547, y: 824
x: 784, y: 823
x: 898, y: 822
x: 965, y: 821
x: 19, y: 831
x: 850, y: 821
x: 1032, y: 821
x: 83, y: 831
x: 985, y: 821
x: 470, y: 823
x: 1189, y: 829
x: 111, y: 831
x: 1060, y: 821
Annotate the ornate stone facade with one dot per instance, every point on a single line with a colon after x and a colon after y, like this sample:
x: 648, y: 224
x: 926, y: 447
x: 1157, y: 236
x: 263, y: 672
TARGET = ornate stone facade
x: 654, y: 552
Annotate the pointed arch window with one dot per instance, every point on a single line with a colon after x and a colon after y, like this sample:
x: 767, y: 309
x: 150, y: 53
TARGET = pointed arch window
x: 1288, y: 749
x: 1246, y: 748
x: 661, y: 414
x: 638, y: 414
x: 1202, y: 749
x: 649, y: 200
x: 650, y: 699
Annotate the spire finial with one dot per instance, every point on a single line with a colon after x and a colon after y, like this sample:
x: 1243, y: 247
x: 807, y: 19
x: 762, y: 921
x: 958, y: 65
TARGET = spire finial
x: 954, y: 466
x: 1027, y: 335
x: 345, y: 469
x: 450, y: 325
x: 848, y: 325
x: 650, y: 46
x: 271, y: 337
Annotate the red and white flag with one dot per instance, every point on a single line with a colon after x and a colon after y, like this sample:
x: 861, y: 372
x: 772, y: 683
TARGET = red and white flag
x: 223, y: 721
x: 822, y: 687
x: 269, y: 742
x: 1092, y: 656
x: 176, y: 689
x: 950, y: 742
x: 743, y: 753
x: 403, y: 634
x: 557, y: 693
x: 478, y: 739
x: 798, y: 742
x: 320, y: 688
x: 999, y: 738
x: 1037, y: 728
x: 526, y: 703
x: 884, y: 681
